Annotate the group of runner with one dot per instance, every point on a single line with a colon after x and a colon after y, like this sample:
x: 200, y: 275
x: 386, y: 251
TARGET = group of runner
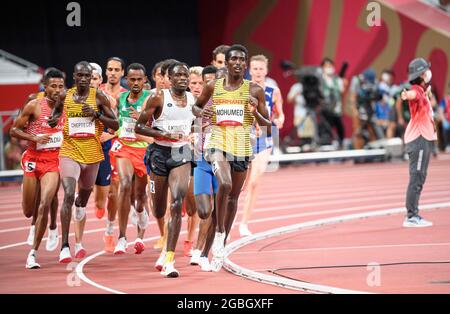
x: 184, y: 146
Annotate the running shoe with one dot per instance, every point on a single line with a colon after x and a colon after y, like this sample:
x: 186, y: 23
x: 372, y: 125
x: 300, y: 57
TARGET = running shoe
x: 416, y: 222
x: 216, y: 263
x: 218, y: 247
x: 99, y: 212
x: 188, y: 248
x: 121, y: 247
x: 52, y: 239
x: 138, y: 246
x: 64, y: 255
x: 109, y: 243
x: 80, y: 252
x: 243, y: 230
x: 31, y: 261
x: 204, y: 263
x: 169, y: 270
x: 160, y: 261
x: 195, y: 259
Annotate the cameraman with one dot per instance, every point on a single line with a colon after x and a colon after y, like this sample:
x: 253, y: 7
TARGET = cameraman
x: 333, y: 89
x: 363, y: 95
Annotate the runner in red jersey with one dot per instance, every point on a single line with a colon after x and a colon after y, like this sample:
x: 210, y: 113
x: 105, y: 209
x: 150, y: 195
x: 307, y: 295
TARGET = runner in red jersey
x: 40, y: 163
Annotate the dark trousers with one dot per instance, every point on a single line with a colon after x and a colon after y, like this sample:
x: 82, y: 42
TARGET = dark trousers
x: 419, y: 152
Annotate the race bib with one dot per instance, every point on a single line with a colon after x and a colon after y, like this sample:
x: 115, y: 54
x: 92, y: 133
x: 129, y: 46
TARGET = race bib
x: 30, y: 166
x: 229, y: 115
x: 54, y: 142
x: 116, y: 146
x: 127, y: 130
x: 81, y: 127
x: 178, y: 126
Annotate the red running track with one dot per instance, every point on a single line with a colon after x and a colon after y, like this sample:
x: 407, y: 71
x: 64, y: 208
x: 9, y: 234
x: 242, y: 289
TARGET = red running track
x: 292, y: 195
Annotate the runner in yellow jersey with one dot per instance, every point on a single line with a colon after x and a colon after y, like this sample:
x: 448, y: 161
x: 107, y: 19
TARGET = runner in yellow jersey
x: 87, y: 112
x: 236, y: 104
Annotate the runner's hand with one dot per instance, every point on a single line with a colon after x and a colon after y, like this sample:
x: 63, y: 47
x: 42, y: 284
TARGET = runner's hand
x: 207, y: 113
x: 42, y: 139
x: 133, y: 113
x: 87, y: 110
x: 252, y: 104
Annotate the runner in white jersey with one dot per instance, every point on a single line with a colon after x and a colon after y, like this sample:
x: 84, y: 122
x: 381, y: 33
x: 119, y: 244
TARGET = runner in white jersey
x: 169, y: 159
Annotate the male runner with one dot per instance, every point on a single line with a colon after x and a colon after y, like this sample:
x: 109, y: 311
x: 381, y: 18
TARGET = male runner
x: 169, y: 158
x: 52, y: 236
x: 107, y: 185
x: 87, y: 112
x: 37, y: 124
x: 263, y: 147
x: 236, y: 103
x: 218, y: 60
x: 204, y: 179
x: 129, y: 153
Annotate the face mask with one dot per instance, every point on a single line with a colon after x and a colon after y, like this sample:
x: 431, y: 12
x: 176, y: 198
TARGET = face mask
x: 329, y: 71
x: 428, y: 76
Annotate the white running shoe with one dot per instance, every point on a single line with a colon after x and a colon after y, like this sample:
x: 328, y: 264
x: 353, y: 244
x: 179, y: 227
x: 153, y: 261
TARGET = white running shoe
x: 218, y: 246
x: 216, y: 263
x: 142, y: 220
x: 31, y: 261
x: 52, y: 239
x: 80, y: 252
x: 160, y: 261
x: 133, y: 215
x: 243, y: 230
x: 195, y: 259
x: 30, y: 239
x: 204, y: 263
x: 169, y: 270
x: 416, y: 222
x: 64, y: 255
x: 121, y: 247
x: 79, y: 214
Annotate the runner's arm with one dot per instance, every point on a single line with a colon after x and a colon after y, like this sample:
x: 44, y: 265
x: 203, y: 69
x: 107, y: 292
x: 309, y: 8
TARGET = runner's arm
x: 279, y: 114
x: 105, y: 115
x: 259, y: 108
x: 27, y: 114
x: 198, y: 109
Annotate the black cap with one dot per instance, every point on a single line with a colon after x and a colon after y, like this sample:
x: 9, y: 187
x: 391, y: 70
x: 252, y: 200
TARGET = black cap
x: 417, y: 67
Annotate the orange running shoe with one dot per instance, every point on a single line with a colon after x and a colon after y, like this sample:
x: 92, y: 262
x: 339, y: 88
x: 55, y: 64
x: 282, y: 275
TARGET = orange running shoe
x: 99, y: 212
x: 187, y: 248
x: 109, y: 243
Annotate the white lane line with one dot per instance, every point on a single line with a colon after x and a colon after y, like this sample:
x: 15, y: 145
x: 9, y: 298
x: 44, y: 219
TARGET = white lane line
x: 340, y: 248
x: 294, y: 284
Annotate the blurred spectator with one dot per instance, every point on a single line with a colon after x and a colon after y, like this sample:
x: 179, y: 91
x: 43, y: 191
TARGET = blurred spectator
x: 14, y: 149
x: 363, y: 95
x: 303, y: 123
x: 444, y: 115
x: 332, y: 88
x: 386, y: 104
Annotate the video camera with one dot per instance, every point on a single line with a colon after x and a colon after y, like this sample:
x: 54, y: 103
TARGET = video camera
x: 367, y: 95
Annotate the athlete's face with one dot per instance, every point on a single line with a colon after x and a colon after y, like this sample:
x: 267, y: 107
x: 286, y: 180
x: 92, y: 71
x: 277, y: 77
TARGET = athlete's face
x: 209, y: 77
x: 96, y: 79
x: 159, y: 79
x: 82, y: 77
x: 195, y: 84
x: 258, y: 71
x: 114, y: 72
x: 54, y: 88
x: 237, y: 64
x: 136, y: 80
x: 180, y: 77
x: 219, y: 62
